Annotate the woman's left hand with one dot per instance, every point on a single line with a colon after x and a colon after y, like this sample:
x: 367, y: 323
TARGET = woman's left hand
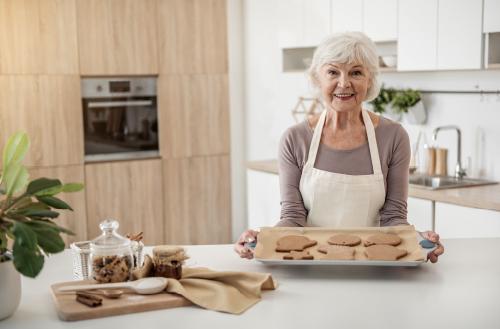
x: 434, y: 237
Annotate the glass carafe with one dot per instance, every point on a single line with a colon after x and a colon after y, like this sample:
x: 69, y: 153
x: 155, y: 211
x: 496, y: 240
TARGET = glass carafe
x: 111, y: 255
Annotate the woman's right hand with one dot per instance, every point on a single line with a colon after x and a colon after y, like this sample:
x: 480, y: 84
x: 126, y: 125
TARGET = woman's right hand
x: 245, y: 237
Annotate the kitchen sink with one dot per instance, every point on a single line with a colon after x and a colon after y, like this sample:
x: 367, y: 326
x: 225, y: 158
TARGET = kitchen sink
x: 445, y: 182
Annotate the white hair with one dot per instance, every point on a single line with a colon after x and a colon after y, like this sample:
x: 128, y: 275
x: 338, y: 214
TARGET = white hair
x: 347, y: 48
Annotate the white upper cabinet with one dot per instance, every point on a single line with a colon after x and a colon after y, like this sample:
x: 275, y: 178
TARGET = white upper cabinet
x: 459, y: 34
x: 303, y: 23
x: 316, y: 21
x: 346, y: 16
x: 380, y: 19
x: 491, y: 16
x: 417, y: 35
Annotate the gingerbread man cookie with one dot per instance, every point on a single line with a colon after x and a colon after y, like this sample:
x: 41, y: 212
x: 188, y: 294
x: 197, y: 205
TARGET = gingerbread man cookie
x: 294, y: 242
x: 298, y: 255
x: 384, y: 252
x: 337, y: 252
x: 383, y: 239
x: 344, y: 240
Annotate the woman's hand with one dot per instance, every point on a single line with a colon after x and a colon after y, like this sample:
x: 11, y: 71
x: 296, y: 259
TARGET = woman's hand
x: 245, y: 237
x: 434, y: 237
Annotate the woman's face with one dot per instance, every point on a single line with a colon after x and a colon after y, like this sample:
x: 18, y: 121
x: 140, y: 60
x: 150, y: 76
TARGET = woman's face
x: 344, y: 86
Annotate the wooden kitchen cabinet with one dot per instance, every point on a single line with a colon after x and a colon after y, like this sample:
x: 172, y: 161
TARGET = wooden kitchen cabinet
x: 346, y: 17
x: 197, y: 200
x: 75, y: 220
x: 417, y: 35
x: 380, y: 19
x: 192, y: 36
x: 58, y: 37
x: 459, y: 34
x: 38, y: 37
x: 48, y: 108
x: 117, y: 37
x: 128, y: 191
x: 491, y: 14
x: 193, y: 115
x: 19, y: 37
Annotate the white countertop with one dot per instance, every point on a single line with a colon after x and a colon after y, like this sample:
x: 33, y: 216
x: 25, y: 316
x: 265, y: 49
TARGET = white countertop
x: 461, y: 291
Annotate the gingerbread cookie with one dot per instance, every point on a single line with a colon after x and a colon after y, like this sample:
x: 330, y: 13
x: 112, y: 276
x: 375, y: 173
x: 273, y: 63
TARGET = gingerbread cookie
x: 294, y: 242
x: 384, y: 252
x: 344, y: 240
x: 337, y: 252
x: 298, y: 255
x: 384, y: 239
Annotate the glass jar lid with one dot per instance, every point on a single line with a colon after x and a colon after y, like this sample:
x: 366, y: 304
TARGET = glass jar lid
x: 109, y: 239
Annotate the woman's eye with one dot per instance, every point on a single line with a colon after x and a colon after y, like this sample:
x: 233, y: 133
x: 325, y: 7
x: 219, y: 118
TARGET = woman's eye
x: 332, y: 72
x: 357, y: 73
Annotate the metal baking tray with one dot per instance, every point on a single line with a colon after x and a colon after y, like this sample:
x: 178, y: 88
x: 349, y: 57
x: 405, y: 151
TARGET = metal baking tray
x: 400, y: 263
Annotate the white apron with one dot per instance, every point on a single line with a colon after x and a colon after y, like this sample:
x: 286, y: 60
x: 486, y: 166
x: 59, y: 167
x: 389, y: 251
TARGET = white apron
x: 335, y: 200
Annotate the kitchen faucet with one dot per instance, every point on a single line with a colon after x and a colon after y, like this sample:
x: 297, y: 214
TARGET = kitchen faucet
x: 459, y: 171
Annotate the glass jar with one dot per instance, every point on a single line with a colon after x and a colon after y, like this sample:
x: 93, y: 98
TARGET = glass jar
x: 110, y: 254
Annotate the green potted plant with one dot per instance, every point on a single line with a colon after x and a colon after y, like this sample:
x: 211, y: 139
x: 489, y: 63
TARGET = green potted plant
x: 409, y: 102
x: 382, y: 104
x: 27, y: 230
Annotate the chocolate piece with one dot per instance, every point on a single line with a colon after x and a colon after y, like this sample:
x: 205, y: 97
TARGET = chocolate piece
x: 88, y: 299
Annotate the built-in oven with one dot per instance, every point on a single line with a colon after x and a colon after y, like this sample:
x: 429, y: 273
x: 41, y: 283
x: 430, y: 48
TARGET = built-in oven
x: 120, y: 118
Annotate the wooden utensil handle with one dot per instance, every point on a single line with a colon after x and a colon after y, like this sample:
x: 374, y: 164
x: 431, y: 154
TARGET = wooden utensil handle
x: 95, y: 286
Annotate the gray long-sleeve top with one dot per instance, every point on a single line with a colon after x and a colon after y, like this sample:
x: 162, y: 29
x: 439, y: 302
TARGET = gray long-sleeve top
x: 394, y: 152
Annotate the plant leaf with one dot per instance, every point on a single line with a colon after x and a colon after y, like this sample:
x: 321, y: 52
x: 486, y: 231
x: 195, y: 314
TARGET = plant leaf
x: 48, y: 223
x: 40, y: 213
x: 24, y: 235
x: 54, y: 202
x: 28, y: 262
x: 72, y: 187
x: 15, y: 178
x: 15, y: 149
x: 48, y: 238
x: 42, y: 184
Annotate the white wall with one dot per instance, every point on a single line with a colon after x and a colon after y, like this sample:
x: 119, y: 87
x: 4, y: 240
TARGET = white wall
x: 270, y: 96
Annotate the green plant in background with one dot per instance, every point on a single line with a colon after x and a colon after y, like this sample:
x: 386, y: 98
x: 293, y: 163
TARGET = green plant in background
x: 383, y: 99
x: 404, y: 99
x: 27, y: 219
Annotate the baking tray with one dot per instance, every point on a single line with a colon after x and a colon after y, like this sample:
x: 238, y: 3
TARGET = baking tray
x: 358, y: 262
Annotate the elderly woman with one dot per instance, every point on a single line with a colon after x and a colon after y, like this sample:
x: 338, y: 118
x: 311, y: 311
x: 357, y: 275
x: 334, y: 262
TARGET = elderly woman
x: 347, y: 166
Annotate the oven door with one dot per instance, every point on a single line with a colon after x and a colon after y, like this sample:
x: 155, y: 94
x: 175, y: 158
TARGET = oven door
x: 120, y: 129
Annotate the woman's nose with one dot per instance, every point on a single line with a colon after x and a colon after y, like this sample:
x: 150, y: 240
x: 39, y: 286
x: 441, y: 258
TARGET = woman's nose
x: 344, y: 81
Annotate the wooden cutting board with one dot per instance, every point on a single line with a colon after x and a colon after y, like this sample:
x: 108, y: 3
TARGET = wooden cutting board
x: 68, y: 309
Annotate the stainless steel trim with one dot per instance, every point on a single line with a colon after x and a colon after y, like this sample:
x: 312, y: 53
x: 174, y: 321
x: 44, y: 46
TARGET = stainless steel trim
x: 121, y: 156
x: 119, y: 104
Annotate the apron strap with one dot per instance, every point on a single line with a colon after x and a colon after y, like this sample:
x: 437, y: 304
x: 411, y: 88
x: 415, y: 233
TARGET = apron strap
x: 372, y: 143
x: 313, y: 148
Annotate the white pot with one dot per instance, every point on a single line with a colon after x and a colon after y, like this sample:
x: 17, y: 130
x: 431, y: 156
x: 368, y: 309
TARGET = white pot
x: 390, y: 113
x: 417, y: 114
x: 10, y: 288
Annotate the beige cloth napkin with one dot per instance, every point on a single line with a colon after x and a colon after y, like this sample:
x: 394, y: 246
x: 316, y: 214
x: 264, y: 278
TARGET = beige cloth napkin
x: 232, y: 292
